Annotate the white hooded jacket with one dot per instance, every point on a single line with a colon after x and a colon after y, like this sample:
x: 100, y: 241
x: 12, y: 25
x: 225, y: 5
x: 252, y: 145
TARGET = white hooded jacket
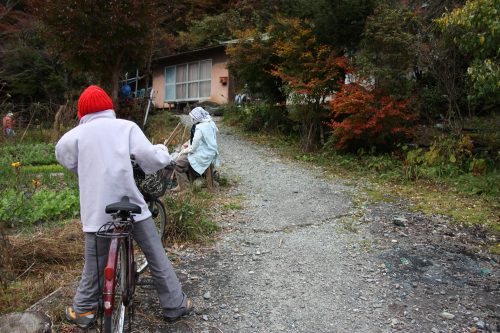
x: 99, y: 150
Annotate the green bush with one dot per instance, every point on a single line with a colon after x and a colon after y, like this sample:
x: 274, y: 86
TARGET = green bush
x: 451, y: 160
x: 24, y: 209
x: 259, y: 116
x: 33, y: 187
x: 28, y: 154
x: 187, y: 218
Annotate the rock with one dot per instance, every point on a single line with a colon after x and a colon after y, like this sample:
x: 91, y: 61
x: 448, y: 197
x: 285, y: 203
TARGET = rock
x: 207, y: 295
x: 204, y: 317
x: 399, y: 221
x: 480, y: 324
x: 447, y: 315
x: 434, y: 330
x: 25, y: 322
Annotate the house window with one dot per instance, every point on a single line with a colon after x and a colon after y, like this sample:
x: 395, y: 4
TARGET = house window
x: 191, y: 81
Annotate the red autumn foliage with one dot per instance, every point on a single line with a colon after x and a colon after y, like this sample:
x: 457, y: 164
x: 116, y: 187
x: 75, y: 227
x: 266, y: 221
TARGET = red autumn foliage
x: 363, y: 118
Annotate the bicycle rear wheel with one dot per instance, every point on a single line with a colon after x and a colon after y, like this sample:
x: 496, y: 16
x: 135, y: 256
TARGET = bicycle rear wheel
x: 115, y: 322
x: 159, y: 215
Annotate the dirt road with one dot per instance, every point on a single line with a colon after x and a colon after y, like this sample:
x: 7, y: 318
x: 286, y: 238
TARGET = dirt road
x: 306, y: 254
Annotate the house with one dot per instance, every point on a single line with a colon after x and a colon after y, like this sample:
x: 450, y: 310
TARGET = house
x: 191, y: 77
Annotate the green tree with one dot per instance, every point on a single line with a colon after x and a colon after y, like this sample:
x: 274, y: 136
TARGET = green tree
x: 475, y: 29
x: 387, y: 51
x: 27, y: 71
x: 211, y: 30
x: 251, y: 60
x: 310, y: 72
x: 100, y: 37
x: 339, y: 23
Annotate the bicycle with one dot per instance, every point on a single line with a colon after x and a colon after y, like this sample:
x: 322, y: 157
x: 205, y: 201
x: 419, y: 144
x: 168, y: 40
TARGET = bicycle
x: 126, y: 261
x: 120, y: 273
x: 152, y: 187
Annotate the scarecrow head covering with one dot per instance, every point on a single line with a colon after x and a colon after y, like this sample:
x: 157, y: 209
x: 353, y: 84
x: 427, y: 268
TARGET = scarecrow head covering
x: 93, y: 99
x: 198, y: 114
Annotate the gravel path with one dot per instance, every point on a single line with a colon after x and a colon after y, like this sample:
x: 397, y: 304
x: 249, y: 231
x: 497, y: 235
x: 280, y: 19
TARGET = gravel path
x: 284, y: 262
x: 294, y: 270
x: 306, y: 254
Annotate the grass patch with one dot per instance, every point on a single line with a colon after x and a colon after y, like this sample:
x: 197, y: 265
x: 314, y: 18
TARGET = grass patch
x: 33, y: 265
x: 160, y: 125
x: 231, y: 206
x: 188, y: 217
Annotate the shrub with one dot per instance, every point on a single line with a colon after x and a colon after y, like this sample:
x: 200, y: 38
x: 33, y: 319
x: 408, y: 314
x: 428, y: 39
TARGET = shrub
x: 187, y: 217
x: 259, y: 116
x: 24, y: 209
x: 361, y: 118
x: 28, y: 154
x: 33, y: 187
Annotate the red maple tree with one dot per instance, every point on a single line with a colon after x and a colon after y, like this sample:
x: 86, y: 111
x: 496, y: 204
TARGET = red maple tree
x: 363, y: 118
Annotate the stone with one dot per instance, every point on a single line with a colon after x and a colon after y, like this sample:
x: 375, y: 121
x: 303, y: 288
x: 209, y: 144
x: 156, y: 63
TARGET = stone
x: 207, y: 295
x: 399, y: 221
x: 480, y: 324
x: 25, y: 322
x: 447, y: 315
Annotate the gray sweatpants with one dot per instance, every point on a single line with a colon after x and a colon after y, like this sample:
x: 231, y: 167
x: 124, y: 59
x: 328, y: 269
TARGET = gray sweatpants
x: 168, y: 287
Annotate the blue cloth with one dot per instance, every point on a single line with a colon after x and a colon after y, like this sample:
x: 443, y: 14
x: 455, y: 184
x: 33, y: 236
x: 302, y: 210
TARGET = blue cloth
x: 204, y: 149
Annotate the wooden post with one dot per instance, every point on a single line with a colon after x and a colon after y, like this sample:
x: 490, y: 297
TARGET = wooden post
x: 209, y: 174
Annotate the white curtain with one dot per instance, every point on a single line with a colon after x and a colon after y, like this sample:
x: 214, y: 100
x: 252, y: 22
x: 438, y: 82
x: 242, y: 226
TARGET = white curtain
x: 180, y: 91
x: 205, y: 88
x: 205, y: 69
x: 193, y: 71
x: 181, y: 73
x: 193, y: 90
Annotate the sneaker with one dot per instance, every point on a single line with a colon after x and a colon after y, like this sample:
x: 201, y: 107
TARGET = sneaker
x: 84, y: 320
x: 189, y: 307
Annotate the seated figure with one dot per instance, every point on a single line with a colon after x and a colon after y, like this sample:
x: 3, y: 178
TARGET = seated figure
x: 200, y: 151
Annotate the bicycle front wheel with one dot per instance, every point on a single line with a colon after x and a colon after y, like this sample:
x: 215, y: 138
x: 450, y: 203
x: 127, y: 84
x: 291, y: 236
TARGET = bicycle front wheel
x: 115, y: 322
x: 159, y: 215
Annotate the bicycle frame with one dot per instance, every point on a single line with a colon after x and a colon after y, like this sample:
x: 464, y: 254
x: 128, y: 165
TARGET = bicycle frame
x: 110, y: 273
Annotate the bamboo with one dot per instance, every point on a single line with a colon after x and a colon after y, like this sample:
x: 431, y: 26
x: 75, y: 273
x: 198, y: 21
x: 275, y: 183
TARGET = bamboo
x: 172, y: 135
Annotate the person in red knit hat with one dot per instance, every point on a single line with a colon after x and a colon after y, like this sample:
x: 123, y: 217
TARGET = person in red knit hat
x: 99, y: 151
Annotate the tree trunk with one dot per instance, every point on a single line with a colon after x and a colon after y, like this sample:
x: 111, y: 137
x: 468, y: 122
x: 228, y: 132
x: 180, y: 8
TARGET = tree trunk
x: 113, y: 78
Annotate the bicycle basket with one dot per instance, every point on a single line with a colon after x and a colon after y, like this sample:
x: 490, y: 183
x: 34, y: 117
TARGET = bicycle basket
x: 155, y: 184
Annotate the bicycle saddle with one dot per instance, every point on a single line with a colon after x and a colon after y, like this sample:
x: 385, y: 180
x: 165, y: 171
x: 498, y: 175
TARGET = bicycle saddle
x: 124, y: 205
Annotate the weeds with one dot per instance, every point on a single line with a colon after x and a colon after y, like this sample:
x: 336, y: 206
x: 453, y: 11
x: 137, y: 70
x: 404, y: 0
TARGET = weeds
x: 36, y: 264
x: 188, y: 218
x: 34, y: 189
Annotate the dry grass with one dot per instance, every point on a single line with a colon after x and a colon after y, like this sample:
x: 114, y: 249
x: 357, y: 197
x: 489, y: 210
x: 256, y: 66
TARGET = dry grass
x: 39, y: 264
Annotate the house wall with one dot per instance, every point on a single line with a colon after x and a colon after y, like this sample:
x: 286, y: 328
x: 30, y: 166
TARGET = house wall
x: 220, y: 93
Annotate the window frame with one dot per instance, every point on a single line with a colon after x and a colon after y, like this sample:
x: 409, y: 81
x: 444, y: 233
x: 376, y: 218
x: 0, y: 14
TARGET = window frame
x: 187, y: 82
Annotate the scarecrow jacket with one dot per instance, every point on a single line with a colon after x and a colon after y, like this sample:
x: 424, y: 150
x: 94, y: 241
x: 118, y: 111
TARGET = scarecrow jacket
x: 203, y: 150
x: 99, y: 150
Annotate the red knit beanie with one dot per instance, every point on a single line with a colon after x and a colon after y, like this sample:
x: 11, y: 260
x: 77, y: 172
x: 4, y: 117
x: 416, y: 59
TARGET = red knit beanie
x: 93, y: 99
